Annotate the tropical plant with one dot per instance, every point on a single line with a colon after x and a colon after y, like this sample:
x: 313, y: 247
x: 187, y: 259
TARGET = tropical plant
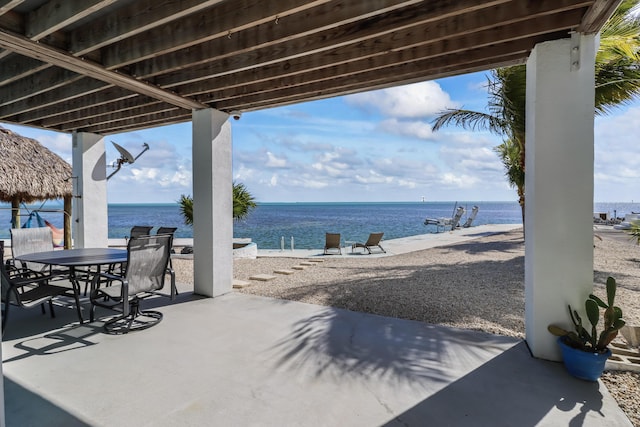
x: 592, y: 341
x: 243, y: 204
x: 617, y: 82
x: 634, y: 231
x: 243, y: 201
x: 186, y: 208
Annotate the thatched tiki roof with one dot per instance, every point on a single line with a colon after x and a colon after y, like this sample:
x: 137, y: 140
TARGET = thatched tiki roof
x: 31, y: 172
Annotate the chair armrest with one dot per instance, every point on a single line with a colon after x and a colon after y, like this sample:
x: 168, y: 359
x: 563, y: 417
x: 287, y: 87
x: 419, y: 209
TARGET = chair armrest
x: 95, y: 282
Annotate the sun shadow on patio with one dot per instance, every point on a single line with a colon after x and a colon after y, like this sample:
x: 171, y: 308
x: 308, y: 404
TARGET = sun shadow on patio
x: 339, y: 343
x: 511, y: 389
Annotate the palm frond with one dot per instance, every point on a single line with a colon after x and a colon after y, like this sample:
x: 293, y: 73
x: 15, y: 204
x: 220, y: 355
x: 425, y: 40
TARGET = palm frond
x: 186, y: 208
x: 243, y: 201
x: 471, y: 120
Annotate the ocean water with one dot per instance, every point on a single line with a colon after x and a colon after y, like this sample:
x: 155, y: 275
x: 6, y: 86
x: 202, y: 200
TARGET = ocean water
x: 307, y: 223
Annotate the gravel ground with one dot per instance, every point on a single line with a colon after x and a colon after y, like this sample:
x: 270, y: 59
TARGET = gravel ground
x: 475, y: 285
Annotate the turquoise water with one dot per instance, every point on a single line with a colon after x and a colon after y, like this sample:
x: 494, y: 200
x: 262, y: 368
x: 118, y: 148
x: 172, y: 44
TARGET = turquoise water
x: 307, y: 223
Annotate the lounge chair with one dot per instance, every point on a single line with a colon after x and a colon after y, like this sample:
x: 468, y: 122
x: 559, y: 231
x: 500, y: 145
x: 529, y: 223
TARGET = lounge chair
x: 332, y: 241
x: 372, y: 242
x: 147, y: 263
x: 446, y: 222
x: 474, y: 212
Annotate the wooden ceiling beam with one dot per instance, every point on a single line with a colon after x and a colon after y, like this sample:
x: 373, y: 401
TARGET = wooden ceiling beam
x: 300, y: 36
x: 7, y: 5
x: 376, y: 84
x: 379, y: 64
x: 157, y: 119
x: 57, y: 14
x: 114, y: 112
x: 343, y: 55
x: 35, y: 84
x: 429, y: 47
x: 17, y: 67
x: 360, y: 76
x: 81, y: 88
x: 130, y: 20
x: 218, y: 22
x: 377, y: 26
x: 597, y: 15
x: 24, y: 46
x: 116, y: 116
x: 115, y: 106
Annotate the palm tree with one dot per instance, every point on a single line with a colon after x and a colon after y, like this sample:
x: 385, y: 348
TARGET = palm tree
x: 243, y: 204
x: 617, y: 82
x: 243, y: 201
x: 510, y: 155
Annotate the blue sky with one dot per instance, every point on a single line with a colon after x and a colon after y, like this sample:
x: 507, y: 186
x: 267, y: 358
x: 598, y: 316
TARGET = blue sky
x: 374, y: 146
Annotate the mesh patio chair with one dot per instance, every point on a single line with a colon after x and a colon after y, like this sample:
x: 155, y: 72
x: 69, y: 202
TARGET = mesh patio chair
x: 372, y: 242
x: 170, y: 231
x: 147, y: 263
x: 27, y: 241
x: 28, y: 292
x: 332, y: 241
x: 138, y: 231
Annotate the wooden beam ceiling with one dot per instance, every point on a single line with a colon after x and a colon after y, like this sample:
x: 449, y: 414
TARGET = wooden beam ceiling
x: 109, y: 66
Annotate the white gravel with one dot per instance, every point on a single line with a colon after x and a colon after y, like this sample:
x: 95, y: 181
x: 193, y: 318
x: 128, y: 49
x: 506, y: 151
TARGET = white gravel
x: 475, y: 285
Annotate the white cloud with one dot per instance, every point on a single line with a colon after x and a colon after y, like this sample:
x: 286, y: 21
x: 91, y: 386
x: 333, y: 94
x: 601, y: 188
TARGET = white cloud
x: 617, y: 165
x: 275, y: 162
x: 413, y: 129
x: 423, y: 99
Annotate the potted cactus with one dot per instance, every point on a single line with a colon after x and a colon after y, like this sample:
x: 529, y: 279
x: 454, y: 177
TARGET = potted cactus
x: 584, y: 351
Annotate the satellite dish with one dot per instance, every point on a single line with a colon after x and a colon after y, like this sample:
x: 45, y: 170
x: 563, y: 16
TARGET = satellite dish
x: 127, y: 157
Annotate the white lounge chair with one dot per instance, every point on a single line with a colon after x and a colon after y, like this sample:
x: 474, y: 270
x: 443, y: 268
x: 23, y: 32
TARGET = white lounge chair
x: 470, y: 218
x: 446, y: 222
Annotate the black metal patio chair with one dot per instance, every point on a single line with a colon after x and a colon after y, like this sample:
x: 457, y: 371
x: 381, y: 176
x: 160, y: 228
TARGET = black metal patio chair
x: 147, y: 263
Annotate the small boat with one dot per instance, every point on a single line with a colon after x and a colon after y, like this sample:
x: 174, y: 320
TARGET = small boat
x: 628, y: 220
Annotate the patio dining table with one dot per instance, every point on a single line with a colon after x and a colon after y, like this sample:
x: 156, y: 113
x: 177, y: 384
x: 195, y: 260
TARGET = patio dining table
x: 74, y: 258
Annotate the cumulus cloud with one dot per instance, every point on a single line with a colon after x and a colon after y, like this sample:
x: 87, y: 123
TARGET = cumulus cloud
x: 275, y: 162
x: 423, y: 99
x: 414, y: 129
x: 59, y: 143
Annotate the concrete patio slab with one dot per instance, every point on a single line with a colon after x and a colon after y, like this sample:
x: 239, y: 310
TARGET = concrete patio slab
x: 241, y: 360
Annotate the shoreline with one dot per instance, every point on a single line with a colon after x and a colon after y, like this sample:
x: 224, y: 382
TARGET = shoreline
x: 397, y: 246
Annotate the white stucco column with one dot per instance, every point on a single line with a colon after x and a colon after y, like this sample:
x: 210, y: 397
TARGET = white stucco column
x: 559, y: 187
x: 212, y: 203
x: 89, y: 221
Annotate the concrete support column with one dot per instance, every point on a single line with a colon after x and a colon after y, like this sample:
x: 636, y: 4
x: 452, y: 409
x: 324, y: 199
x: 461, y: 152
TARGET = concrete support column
x: 559, y: 186
x: 90, y: 220
x: 212, y: 203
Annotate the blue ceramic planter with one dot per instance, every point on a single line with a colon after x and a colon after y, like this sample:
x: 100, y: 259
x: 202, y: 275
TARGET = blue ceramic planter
x: 581, y: 364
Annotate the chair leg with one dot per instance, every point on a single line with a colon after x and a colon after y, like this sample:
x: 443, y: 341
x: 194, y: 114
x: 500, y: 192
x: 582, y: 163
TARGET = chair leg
x: 78, y: 308
x: 5, y: 315
x: 53, y: 313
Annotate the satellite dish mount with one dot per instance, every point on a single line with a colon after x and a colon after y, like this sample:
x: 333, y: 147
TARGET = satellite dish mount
x: 126, y: 158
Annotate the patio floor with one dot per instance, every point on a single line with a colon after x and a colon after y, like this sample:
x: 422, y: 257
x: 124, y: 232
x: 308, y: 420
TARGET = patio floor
x: 241, y: 360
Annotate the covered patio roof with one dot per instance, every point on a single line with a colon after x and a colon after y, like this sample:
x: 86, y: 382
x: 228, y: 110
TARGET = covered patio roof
x: 110, y: 66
